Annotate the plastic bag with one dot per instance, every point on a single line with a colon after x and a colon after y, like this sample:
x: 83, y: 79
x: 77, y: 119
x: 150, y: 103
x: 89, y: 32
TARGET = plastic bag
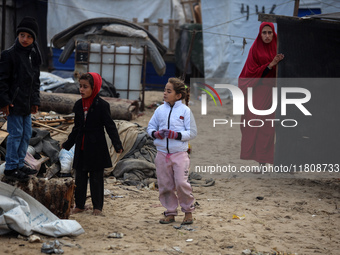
x: 66, y: 160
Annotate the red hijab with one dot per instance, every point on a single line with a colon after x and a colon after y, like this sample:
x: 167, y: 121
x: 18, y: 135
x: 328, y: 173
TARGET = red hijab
x: 259, y: 57
x: 97, y: 84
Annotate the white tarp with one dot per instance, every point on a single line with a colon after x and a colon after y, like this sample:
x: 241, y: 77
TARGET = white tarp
x: 24, y: 214
x: 50, y: 81
x: 65, y: 13
x: 330, y: 6
x: 326, y: 6
x: 225, y: 26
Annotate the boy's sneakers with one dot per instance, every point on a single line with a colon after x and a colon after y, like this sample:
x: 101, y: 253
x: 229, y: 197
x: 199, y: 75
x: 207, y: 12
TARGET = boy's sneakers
x: 28, y: 170
x: 16, y: 175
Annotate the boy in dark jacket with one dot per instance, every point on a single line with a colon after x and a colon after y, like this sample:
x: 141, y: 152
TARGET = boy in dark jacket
x: 19, y: 95
x: 91, y: 154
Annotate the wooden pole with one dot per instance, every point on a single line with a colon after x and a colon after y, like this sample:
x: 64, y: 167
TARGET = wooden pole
x: 171, y: 34
x: 296, y: 8
x: 47, y: 126
x: 160, y: 30
x: 146, y: 23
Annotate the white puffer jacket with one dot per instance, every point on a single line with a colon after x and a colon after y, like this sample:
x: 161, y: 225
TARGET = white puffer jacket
x: 178, y: 118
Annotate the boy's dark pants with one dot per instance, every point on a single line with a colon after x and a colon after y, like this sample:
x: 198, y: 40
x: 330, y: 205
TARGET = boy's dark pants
x: 96, y: 188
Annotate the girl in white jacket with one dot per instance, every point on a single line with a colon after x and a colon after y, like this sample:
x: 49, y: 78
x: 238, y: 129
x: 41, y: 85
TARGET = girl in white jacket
x: 172, y: 126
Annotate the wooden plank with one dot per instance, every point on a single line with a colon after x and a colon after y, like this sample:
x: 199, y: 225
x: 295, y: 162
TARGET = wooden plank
x: 3, y: 135
x: 52, y: 123
x: 272, y: 17
x: 4, y: 126
x: 46, y: 126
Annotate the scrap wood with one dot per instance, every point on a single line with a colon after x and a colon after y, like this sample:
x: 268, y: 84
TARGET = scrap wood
x: 62, y: 127
x: 3, y: 135
x: 43, y: 160
x: 2, y: 122
x: 52, y: 122
x: 46, y: 126
x: 52, y: 170
x: 4, y: 126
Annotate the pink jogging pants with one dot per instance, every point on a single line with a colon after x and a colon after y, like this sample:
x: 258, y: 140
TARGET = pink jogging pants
x: 172, y: 175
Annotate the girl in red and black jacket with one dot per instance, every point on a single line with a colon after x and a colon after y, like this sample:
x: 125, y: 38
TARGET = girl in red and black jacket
x: 92, y: 114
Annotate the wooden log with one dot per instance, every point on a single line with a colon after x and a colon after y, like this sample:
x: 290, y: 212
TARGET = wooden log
x: 56, y: 194
x: 121, y: 109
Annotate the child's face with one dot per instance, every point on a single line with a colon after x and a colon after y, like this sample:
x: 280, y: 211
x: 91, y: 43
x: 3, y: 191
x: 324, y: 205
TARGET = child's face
x: 170, y: 95
x: 25, y: 39
x: 85, y: 88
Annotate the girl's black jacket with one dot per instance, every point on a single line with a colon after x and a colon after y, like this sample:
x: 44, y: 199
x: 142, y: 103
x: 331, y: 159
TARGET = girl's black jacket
x: 95, y: 154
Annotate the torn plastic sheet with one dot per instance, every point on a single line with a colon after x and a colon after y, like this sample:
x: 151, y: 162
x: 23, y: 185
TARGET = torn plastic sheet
x: 24, y: 214
x: 50, y: 81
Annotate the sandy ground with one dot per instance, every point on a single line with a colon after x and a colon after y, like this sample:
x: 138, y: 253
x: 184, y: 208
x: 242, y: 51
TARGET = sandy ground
x: 291, y: 213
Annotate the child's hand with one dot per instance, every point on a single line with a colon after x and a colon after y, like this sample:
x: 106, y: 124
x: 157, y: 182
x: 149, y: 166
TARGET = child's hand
x: 34, y: 109
x: 170, y: 134
x: 5, y: 109
x: 120, y: 151
x: 159, y: 134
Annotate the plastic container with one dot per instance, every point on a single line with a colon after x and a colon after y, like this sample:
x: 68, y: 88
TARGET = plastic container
x: 68, y: 66
x: 119, y: 67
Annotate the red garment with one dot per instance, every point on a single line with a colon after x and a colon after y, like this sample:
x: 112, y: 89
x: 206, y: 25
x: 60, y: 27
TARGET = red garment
x: 258, y: 142
x: 97, y: 84
x: 97, y: 80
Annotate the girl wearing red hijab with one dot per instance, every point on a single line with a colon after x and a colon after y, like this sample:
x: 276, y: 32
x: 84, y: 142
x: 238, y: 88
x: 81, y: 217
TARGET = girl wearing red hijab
x: 91, y: 154
x: 258, y: 142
